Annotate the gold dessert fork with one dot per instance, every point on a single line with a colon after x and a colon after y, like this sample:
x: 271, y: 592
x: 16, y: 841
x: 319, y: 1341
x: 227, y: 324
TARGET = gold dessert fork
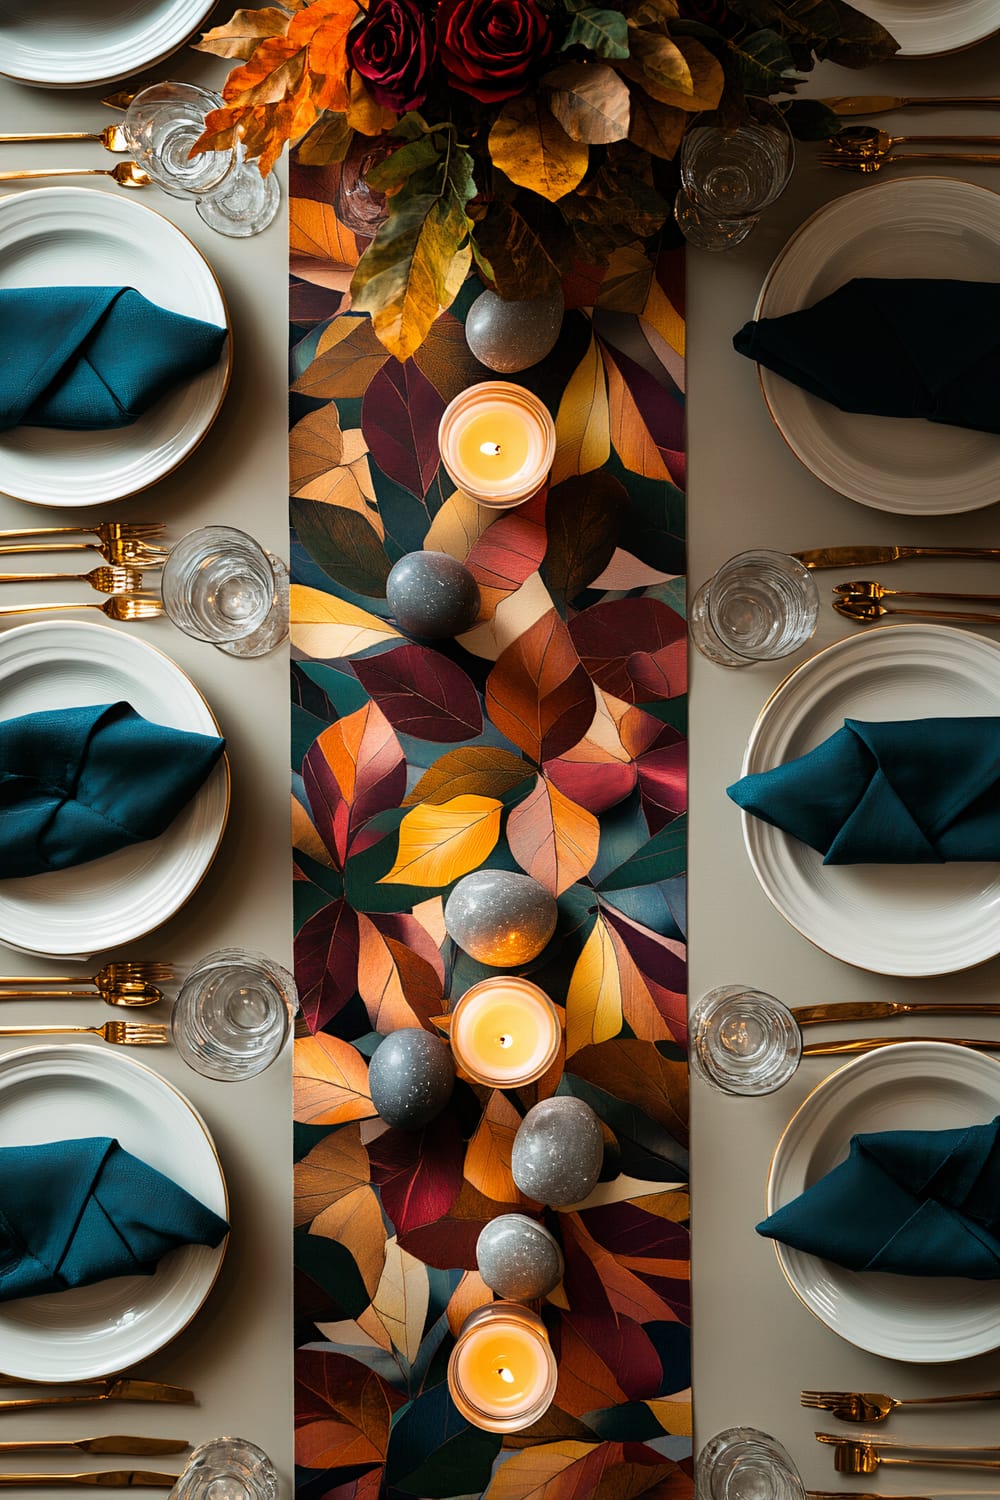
x: 125, y: 173
x: 118, y: 1033
x: 112, y: 137
x: 875, y: 1406
x: 848, y: 162
x: 110, y: 580
x: 118, y: 607
x: 865, y: 140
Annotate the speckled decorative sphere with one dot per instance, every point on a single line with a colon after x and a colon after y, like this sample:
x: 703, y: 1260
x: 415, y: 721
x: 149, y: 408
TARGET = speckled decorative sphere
x: 508, y: 336
x: 519, y: 1259
x: 410, y: 1077
x: 500, y: 918
x: 558, y: 1150
x: 432, y: 595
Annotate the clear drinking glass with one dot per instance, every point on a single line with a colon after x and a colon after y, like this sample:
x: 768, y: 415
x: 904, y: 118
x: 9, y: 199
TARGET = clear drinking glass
x: 743, y: 1041
x: 233, y: 1014
x: 759, y: 606
x: 744, y: 1463
x: 220, y: 585
x: 227, y: 1468
x: 162, y: 124
x: 728, y: 176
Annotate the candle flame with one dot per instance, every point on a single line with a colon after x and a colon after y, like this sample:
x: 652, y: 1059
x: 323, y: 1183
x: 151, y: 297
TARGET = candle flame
x: 505, y: 1374
x: 505, y: 1040
x: 490, y: 449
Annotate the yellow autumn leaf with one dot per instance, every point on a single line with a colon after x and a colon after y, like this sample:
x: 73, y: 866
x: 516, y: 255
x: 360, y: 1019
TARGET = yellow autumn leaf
x: 402, y: 1298
x: 529, y: 146
x: 439, y: 842
x: 315, y: 230
x: 315, y: 444
x: 305, y: 836
x: 594, y: 998
x: 660, y: 313
x: 355, y: 1221
x: 330, y: 1081
x: 457, y: 526
x: 470, y: 1294
x: 325, y: 627
x: 583, y: 422
x: 673, y: 1416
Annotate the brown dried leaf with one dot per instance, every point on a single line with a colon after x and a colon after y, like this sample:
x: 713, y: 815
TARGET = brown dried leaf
x: 488, y: 1154
x: 590, y: 101
x: 315, y: 444
x: 528, y: 144
x: 240, y: 36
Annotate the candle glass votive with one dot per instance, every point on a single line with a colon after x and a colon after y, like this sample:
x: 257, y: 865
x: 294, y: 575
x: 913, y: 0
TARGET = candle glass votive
x: 497, y: 443
x: 233, y: 1014
x: 743, y: 1463
x: 227, y: 1468
x: 744, y: 1041
x: 760, y: 606
x: 505, y: 1033
x: 220, y: 585
x: 502, y: 1374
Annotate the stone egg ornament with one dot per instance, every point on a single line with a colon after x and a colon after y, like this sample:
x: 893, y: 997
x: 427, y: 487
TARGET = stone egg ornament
x: 508, y: 336
x: 410, y: 1077
x: 519, y: 1259
x: 558, y: 1150
x: 432, y: 595
x: 500, y: 918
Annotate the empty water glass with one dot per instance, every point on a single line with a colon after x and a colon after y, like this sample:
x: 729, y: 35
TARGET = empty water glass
x: 220, y: 585
x: 744, y: 1041
x: 227, y: 1468
x: 233, y: 1014
x: 729, y: 175
x: 162, y: 124
x: 759, y: 606
x: 744, y: 1463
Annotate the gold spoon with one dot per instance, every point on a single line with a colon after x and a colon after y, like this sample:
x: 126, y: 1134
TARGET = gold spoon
x: 853, y: 1457
x: 865, y: 140
x: 112, y: 137
x: 132, y: 992
x: 126, y: 174
x: 864, y: 588
x: 869, y: 611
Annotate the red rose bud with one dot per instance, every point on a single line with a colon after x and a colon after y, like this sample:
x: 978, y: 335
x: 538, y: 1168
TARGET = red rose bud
x: 391, y: 50
x: 489, y: 47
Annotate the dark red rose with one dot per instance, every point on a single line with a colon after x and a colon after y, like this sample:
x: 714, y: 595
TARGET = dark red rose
x: 490, y: 47
x: 391, y: 49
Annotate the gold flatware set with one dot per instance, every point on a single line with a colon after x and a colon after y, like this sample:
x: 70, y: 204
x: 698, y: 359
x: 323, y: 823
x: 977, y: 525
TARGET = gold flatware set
x: 124, y: 982
x: 127, y: 174
x: 79, y: 1393
x: 876, y: 1406
x: 865, y: 1454
x: 129, y: 548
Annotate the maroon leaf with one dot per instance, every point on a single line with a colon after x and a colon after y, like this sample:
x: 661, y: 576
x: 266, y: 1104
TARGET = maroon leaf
x: 619, y: 1341
x: 326, y: 963
x: 399, y: 418
x: 352, y: 771
x: 418, y: 1173
x: 662, y: 413
x: 595, y: 784
x: 422, y: 693
x: 616, y: 640
x: 661, y: 966
x: 343, y: 1411
x: 626, y: 1229
x: 510, y: 550
x: 538, y: 693
x: 663, y: 782
x: 451, y: 1240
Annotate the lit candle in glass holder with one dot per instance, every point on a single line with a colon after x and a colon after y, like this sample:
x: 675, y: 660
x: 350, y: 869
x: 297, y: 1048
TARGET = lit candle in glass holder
x: 497, y: 443
x: 502, y: 1373
x: 505, y: 1032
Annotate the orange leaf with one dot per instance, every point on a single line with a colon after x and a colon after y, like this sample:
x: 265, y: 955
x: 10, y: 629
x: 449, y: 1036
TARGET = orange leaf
x: 631, y: 437
x: 538, y: 693
x: 484, y: 769
x: 331, y: 1081
x: 471, y: 1292
x: 337, y: 1166
x: 241, y: 36
x: 552, y: 1471
x: 273, y: 74
x: 585, y: 1382
x: 628, y: 1295
x: 399, y: 988
x: 324, y: 26
x: 552, y: 837
x: 353, y: 770
x: 341, y: 1408
x: 315, y: 230
x: 637, y: 1073
x: 487, y: 1156
x: 355, y: 1221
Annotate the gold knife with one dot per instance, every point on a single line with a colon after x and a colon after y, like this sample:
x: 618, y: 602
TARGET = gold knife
x: 874, y: 556
x: 869, y: 1043
x: 877, y: 104
x: 95, y: 1390
x: 111, y: 1479
x: 127, y: 1444
x: 881, y: 1010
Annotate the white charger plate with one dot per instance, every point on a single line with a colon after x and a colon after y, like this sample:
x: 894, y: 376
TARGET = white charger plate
x: 68, y: 1091
x: 892, y: 919
x: 72, y: 236
x: 918, y: 1086
x: 927, y: 28
x: 913, y: 227
x: 109, y: 901
x: 75, y: 43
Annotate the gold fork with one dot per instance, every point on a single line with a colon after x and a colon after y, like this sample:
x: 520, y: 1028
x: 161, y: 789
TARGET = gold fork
x: 847, y: 162
x: 866, y: 140
x: 126, y: 174
x: 112, y: 137
x: 108, y: 531
x: 118, y: 607
x: 110, y: 977
x: 875, y: 1406
x: 123, y: 580
x: 869, y: 611
x: 119, y: 1033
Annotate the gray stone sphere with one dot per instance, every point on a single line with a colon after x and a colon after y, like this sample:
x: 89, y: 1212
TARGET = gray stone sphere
x: 519, y: 1259
x: 410, y: 1077
x: 558, y: 1150
x: 433, y: 595
x: 500, y: 918
x: 508, y: 336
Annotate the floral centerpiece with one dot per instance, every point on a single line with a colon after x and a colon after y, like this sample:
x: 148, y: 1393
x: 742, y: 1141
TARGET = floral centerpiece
x: 519, y: 136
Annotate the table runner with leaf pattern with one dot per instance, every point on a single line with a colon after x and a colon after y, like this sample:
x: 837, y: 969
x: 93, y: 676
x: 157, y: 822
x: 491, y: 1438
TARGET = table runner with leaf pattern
x: 550, y: 739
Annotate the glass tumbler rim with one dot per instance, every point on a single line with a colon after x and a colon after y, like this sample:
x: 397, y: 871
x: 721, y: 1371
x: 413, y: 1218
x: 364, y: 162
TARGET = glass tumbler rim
x: 774, y: 118
x: 769, y: 556
x: 173, y: 582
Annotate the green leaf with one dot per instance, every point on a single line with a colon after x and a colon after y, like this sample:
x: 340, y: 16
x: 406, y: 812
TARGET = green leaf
x: 344, y: 545
x: 659, y: 858
x: 811, y: 120
x: 400, y: 165
x: 327, y: 142
x: 829, y: 28
x: 602, y: 31
x: 764, y: 62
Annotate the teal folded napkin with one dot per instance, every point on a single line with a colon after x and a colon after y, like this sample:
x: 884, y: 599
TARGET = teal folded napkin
x: 75, y: 1212
x: 79, y: 783
x: 895, y: 348
x: 93, y: 356
x: 916, y: 791
x: 915, y: 1202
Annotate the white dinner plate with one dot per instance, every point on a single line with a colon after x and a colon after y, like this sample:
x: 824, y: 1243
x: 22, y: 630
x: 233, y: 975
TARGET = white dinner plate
x: 912, y: 1086
x: 108, y: 901
x: 913, y: 227
x: 76, y: 43
x: 892, y: 919
x: 69, y: 1091
x: 926, y: 28
x: 72, y: 236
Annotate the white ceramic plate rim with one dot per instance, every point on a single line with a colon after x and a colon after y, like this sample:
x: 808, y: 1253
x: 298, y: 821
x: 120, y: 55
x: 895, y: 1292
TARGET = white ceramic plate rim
x: 924, y: 30
x: 921, y: 1320
x: 34, y: 1344
x: 169, y: 28
x: 831, y: 444
x: 842, y: 909
x: 135, y: 890
x: 141, y: 248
